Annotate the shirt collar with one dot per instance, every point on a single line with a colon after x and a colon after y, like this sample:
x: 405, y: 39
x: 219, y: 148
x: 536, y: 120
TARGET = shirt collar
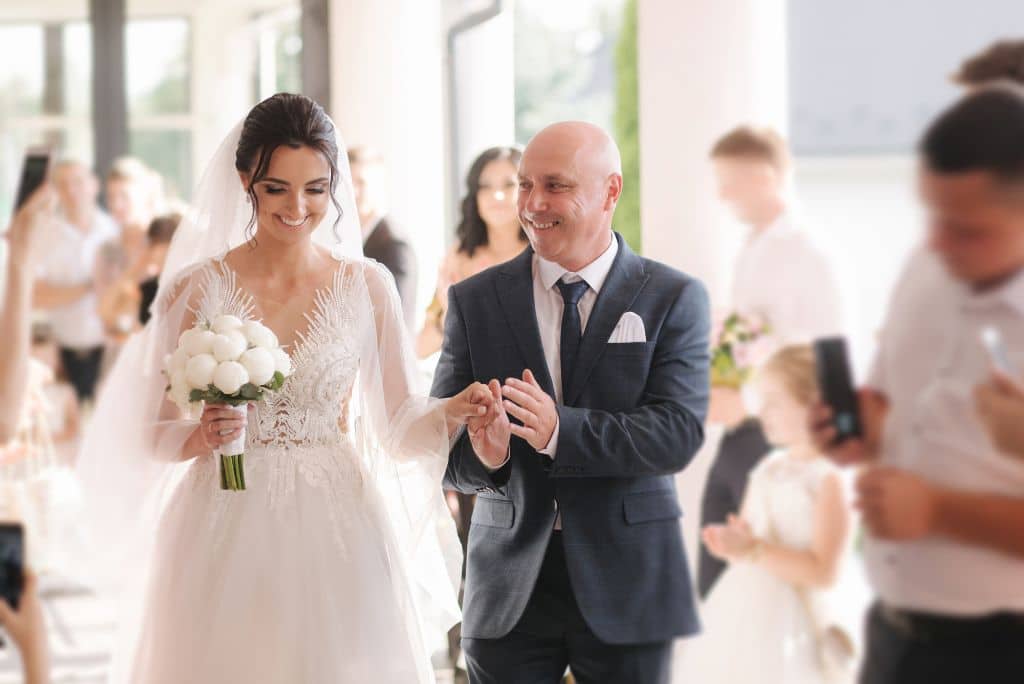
x: 594, y: 273
x: 1010, y: 293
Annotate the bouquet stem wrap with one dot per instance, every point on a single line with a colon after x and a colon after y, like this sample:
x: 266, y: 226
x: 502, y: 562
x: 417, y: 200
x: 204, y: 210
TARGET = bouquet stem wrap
x: 231, y: 457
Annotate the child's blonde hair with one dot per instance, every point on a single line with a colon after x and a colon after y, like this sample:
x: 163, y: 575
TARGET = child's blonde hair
x: 794, y: 365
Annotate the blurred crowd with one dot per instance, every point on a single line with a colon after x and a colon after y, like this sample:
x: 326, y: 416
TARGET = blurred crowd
x: 931, y: 507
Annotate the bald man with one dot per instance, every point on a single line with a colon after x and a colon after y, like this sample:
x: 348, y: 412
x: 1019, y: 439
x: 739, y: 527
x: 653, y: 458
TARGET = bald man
x: 600, y: 358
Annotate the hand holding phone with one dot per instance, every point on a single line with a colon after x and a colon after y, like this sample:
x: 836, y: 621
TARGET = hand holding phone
x: 12, y: 563
x: 835, y: 382
x: 992, y: 340
x: 34, y: 171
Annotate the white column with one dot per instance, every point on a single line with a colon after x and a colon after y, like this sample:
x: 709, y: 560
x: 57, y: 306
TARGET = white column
x: 704, y: 67
x: 485, y: 78
x: 223, y: 55
x: 386, y: 91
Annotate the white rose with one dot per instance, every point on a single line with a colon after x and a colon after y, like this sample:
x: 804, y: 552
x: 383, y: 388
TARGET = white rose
x: 178, y: 360
x: 259, y: 335
x: 229, y: 346
x: 259, y: 363
x: 282, y: 362
x: 180, y: 392
x: 230, y: 376
x: 224, y: 323
x: 197, y: 341
x: 199, y: 371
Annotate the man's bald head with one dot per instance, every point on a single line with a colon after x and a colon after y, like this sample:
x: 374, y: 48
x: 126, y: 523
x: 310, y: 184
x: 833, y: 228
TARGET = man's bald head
x: 588, y: 143
x: 570, y: 182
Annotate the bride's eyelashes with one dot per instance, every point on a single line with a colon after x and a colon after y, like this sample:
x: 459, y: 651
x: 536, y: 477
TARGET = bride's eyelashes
x: 272, y: 190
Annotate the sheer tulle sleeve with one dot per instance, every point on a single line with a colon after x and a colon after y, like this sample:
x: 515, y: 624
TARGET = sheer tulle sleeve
x: 405, y: 442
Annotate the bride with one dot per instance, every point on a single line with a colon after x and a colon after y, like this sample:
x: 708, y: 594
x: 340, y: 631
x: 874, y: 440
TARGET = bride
x: 338, y: 562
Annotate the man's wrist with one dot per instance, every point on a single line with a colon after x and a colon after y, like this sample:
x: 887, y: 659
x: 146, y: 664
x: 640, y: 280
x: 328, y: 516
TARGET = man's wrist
x: 504, y: 462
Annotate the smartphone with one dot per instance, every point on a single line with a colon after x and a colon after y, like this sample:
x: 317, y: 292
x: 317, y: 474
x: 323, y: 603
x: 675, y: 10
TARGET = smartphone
x: 997, y: 355
x: 33, y: 173
x: 12, y: 562
x: 835, y: 382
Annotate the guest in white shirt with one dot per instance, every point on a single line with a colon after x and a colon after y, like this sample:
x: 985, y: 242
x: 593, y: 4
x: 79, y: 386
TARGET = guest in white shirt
x: 66, y: 287
x: 782, y: 277
x: 944, y: 508
x: 1000, y: 404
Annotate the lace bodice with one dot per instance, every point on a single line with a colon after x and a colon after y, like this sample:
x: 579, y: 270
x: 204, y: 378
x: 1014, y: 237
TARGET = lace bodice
x: 309, y: 408
x: 781, y: 497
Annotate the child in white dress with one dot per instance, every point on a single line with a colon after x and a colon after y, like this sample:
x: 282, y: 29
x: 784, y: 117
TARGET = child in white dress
x: 787, y: 610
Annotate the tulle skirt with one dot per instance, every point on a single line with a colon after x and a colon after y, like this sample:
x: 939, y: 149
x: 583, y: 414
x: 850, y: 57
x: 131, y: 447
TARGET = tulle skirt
x: 755, y: 630
x: 291, y: 580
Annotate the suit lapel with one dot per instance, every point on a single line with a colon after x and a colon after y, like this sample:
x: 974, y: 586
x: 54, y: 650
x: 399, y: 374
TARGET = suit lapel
x: 514, y: 289
x: 620, y: 289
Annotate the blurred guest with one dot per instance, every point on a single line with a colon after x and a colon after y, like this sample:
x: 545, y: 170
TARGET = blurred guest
x: 134, y: 291
x: 944, y: 509
x: 782, y: 275
x: 25, y: 238
x: 742, y: 447
x: 60, y: 402
x: 67, y: 287
x: 488, y: 234
x: 1001, y: 61
x: 134, y: 196
x: 380, y: 240
x: 26, y: 627
x: 1000, y: 404
x: 783, y: 279
x: 788, y: 607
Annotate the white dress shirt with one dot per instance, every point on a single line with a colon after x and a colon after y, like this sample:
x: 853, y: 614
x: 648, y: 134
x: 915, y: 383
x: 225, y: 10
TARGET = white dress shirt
x: 929, y: 360
x: 71, y: 260
x: 785, y: 278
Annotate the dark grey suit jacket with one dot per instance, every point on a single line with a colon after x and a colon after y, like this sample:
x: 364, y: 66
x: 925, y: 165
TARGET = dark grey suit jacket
x: 633, y: 417
x: 397, y: 256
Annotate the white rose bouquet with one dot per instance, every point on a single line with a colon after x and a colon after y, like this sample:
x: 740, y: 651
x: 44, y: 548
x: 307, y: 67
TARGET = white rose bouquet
x: 226, y: 361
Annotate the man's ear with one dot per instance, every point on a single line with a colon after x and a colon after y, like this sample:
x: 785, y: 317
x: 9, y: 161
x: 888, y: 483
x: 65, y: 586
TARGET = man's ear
x: 614, y: 190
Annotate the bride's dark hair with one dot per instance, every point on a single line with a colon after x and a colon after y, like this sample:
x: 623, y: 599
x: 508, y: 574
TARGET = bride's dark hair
x: 284, y: 119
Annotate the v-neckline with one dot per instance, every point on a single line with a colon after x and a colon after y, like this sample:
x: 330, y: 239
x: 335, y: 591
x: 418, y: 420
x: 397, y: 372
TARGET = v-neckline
x: 301, y: 337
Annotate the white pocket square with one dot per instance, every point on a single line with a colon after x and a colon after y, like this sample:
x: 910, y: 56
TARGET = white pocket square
x: 630, y: 328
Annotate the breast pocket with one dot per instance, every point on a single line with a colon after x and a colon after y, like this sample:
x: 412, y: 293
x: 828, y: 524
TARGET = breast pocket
x: 625, y: 368
x: 494, y: 513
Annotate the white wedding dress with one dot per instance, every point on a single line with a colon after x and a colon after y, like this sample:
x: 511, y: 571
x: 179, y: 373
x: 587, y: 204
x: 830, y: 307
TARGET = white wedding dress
x: 756, y: 627
x: 302, y: 577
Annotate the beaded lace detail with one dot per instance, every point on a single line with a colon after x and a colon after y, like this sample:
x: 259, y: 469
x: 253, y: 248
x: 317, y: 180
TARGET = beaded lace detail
x: 299, y: 431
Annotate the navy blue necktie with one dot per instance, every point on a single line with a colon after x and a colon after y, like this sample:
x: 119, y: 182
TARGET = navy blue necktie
x: 572, y: 328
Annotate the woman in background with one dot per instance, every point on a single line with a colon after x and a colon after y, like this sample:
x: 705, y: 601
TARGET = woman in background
x: 135, y: 290
x: 134, y: 197
x: 488, y: 234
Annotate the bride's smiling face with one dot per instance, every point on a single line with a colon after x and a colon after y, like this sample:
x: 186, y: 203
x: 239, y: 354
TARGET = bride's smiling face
x: 293, y: 196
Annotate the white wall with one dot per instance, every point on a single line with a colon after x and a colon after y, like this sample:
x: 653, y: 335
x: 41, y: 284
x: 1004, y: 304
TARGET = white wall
x: 703, y: 68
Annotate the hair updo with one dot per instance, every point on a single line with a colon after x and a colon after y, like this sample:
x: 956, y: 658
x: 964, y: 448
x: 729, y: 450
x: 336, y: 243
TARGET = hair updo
x: 285, y: 119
